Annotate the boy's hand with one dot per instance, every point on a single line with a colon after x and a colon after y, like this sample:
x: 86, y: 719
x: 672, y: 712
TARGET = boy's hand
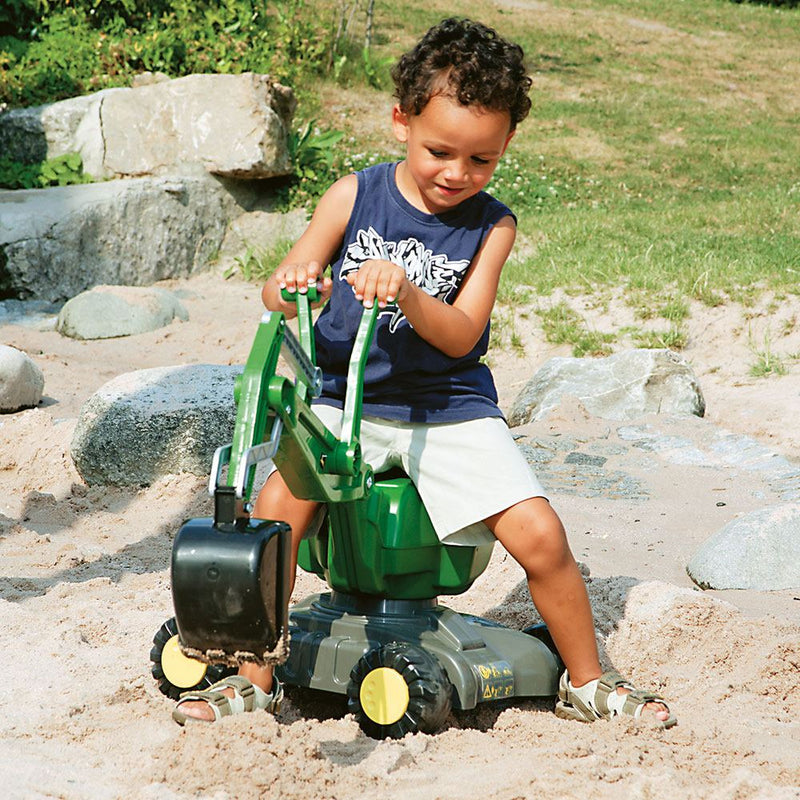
x: 379, y: 280
x: 298, y: 277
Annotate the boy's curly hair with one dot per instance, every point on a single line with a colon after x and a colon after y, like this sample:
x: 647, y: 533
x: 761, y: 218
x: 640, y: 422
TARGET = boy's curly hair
x: 468, y: 61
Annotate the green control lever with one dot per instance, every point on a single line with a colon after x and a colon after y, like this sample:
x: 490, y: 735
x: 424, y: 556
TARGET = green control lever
x: 318, y: 466
x: 274, y: 419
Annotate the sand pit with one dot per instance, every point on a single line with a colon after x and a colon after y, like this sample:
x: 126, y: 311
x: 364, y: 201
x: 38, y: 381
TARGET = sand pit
x: 85, y: 585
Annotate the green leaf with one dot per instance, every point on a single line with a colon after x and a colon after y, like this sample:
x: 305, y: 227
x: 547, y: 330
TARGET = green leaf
x: 327, y: 139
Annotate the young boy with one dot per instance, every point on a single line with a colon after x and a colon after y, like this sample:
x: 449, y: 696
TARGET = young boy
x: 422, y: 240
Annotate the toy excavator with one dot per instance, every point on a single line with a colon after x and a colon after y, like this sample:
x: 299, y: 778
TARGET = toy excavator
x: 379, y: 636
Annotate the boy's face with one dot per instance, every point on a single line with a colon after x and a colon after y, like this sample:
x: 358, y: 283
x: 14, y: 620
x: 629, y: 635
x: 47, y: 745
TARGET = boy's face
x: 451, y: 151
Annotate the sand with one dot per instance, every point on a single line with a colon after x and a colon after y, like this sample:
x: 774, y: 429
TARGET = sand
x: 85, y: 586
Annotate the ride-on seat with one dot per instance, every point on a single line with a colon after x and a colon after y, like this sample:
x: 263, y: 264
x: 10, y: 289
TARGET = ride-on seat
x: 392, y: 550
x: 379, y: 635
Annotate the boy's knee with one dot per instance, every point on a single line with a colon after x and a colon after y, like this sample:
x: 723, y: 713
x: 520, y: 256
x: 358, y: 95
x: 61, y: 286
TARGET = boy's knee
x: 547, y: 542
x: 533, y: 534
x: 275, y: 500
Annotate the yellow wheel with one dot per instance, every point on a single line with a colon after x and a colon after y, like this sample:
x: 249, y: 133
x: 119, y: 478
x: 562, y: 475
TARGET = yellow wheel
x: 398, y: 689
x: 175, y: 672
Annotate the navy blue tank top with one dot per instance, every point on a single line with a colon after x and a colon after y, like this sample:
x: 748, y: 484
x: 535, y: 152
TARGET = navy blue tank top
x: 407, y: 379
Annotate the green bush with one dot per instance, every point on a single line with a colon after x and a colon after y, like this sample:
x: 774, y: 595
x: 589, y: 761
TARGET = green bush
x: 17, y: 17
x: 53, y: 50
x: 317, y: 164
x: 60, y: 171
x: 52, y: 65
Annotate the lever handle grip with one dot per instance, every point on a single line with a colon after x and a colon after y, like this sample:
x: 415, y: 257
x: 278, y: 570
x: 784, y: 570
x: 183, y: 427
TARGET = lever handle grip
x: 312, y: 292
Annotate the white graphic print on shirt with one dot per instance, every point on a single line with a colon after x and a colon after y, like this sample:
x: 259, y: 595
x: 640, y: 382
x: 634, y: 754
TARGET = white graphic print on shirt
x: 434, y: 274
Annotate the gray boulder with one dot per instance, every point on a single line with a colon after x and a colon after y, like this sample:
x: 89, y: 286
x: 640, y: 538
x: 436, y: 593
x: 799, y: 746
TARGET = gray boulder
x: 760, y: 550
x: 234, y: 125
x: 153, y: 422
x: 21, y: 380
x: 260, y: 231
x: 22, y: 135
x: 108, y: 311
x: 54, y: 243
x: 620, y: 387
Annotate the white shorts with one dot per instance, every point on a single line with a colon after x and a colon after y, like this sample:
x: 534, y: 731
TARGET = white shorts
x: 464, y: 471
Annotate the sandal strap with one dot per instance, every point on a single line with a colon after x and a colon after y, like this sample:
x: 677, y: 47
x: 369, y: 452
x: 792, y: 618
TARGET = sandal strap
x: 636, y: 700
x: 244, y: 697
x: 613, y: 680
x: 243, y: 693
x: 607, y: 686
x: 599, y: 699
x: 611, y: 703
x: 220, y: 704
x: 270, y: 702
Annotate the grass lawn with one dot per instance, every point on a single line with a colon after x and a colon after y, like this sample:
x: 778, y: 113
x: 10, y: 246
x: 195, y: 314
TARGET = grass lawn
x: 662, y: 154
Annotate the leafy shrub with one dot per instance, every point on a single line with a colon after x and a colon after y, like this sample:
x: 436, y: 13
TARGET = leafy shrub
x: 74, y: 47
x: 255, y: 266
x: 51, y: 64
x: 60, y: 171
x: 316, y: 166
x: 18, y: 16
x: 312, y: 150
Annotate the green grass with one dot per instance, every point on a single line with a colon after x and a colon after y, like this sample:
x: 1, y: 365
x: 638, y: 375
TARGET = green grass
x: 674, y: 338
x: 767, y: 362
x: 703, y: 246
x: 562, y: 325
x: 681, y: 130
x: 256, y: 265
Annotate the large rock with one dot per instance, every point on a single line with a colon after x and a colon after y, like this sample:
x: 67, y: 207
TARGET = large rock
x: 620, y: 387
x: 234, y: 125
x: 21, y: 381
x: 54, y: 243
x: 260, y: 231
x: 153, y: 422
x: 108, y: 311
x: 22, y: 135
x: 760, y: 550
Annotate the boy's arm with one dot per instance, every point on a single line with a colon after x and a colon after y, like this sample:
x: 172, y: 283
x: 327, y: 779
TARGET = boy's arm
x: 312, y: 252
x: 455, y: 329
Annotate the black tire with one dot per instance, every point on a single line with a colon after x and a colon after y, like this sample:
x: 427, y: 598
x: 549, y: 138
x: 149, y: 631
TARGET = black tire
x: 428, y: 691
x: 209, y: 675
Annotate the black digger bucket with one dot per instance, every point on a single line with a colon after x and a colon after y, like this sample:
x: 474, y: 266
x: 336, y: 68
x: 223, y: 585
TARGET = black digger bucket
x: 230, y: 589
x: 231, y: 575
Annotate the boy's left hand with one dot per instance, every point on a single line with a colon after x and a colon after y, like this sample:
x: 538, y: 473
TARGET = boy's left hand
x: 379, y: 280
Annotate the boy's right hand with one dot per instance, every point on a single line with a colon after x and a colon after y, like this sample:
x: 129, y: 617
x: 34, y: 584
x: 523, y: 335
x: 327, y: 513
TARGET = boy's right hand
x: 298, y: 277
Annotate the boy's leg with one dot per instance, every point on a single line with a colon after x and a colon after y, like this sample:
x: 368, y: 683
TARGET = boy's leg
x: 534, y: 536
x: 274, y: 501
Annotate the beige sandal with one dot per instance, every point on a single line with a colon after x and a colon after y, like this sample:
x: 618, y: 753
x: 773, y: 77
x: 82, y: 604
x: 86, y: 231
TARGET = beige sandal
x: 246, y: 697
x: 599, y: 699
